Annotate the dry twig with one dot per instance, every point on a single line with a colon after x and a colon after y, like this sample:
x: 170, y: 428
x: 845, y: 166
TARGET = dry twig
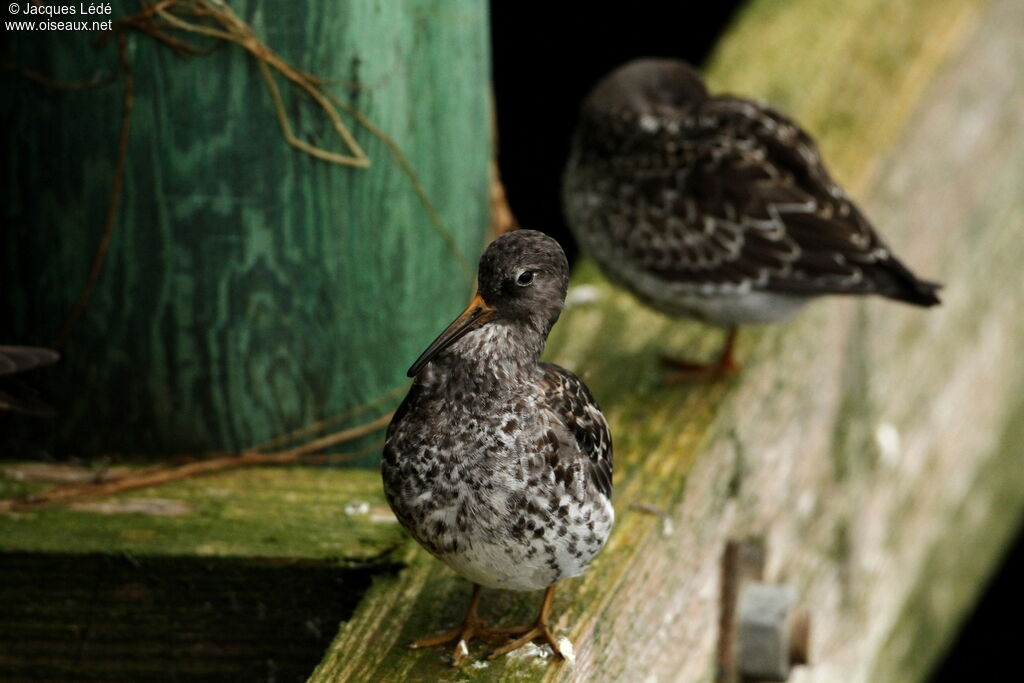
x: 162, y: 474
x: 117, y: 186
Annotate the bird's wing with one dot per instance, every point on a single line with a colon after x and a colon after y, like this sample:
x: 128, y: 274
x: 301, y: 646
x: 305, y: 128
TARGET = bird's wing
x: 29, y: 405
x: 568, y: 398
x: 734, y: 196
x: 15, y: 359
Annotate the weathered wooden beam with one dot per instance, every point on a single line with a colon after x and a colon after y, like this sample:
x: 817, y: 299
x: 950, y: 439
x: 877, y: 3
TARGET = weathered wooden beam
x: 240, y: 576
x: 862, y: 442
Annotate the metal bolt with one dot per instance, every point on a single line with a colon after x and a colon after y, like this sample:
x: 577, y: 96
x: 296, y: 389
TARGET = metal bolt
x: 772, y: 633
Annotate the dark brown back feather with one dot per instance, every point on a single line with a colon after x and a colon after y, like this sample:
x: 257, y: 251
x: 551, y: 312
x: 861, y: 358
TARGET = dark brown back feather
x: 728, y: 192
x: 569, y: 399
x: 14, y: 359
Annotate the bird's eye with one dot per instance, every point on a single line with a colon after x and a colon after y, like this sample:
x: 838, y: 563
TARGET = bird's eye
x: 525, y: 278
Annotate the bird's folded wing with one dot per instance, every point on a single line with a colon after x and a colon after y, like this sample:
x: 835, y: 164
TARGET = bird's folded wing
x: 21, y: 358
x: 735, y: 197
x: 572, y: 404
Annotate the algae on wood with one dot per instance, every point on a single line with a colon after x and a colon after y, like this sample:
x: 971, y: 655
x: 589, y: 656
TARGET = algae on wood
x: 238, y: 576
x: 292, y: 513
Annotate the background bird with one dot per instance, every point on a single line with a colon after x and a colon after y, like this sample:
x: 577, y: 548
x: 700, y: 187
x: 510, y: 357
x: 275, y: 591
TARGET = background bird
x: 716, y: 207
x: 498, y: 464
x: 16, y: 396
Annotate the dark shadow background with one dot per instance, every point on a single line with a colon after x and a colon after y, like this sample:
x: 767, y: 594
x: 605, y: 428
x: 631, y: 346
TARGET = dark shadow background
x: 124, y: 617
x: 544, y: 63
x: 986, y: 646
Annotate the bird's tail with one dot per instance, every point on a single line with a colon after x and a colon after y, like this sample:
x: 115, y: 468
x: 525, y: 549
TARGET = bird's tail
x: 907, y: 287
x: 923, y: 293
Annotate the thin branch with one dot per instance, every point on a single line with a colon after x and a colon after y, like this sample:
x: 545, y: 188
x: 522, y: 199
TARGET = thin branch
x: 154, y: 476
x: 410, y: 172
x: 99, y: 258
x: 238, y: 32
x: 47, y: 82
x: 320, y: 425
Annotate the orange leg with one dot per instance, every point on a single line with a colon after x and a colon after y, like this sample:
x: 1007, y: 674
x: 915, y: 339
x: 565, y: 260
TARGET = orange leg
x: 539, y: 630
x: 725, y: 366
x: 472, y: 627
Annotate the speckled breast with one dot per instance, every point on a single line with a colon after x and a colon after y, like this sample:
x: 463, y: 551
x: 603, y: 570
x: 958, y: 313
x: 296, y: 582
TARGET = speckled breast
x: 482, y: 494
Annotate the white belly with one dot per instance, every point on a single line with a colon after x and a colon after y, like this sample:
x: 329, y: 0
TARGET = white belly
x: 716, y: 305
x: 727, y: 310
x: 542, y: 562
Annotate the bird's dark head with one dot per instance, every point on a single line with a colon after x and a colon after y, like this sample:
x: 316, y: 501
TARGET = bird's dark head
x: 523, y: 276
x: 521, y: 285
x: 660, y: 87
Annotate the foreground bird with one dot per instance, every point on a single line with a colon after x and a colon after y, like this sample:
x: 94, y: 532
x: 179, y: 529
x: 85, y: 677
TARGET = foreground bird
x: 498, y: 464
x: 716, y: 207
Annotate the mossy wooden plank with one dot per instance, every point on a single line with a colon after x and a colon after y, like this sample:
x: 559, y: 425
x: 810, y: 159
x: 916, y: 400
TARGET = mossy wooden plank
x: 293, y: 513
x: 856, y: 436
x: 249, y: 289
x: 242, y: 575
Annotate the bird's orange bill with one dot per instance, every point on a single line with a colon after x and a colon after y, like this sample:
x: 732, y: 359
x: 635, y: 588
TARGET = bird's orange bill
x: 476, y: 314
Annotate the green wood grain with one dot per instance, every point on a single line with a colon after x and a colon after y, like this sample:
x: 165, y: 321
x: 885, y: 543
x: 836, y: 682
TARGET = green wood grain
x: 250, y: 289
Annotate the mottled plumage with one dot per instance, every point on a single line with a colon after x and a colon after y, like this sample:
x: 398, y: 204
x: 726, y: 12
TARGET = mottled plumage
x: 498, y: 464
x: 716, y: 207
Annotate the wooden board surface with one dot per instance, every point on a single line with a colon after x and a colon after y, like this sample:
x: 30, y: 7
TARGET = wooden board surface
x: 239, y: 576
x: 249, y: 288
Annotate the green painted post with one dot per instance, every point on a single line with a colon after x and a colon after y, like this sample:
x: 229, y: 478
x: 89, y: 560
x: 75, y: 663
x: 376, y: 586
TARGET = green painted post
x: 249, y: 288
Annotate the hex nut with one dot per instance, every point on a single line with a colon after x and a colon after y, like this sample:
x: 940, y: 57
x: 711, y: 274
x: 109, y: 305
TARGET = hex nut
x: 772, y: 634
